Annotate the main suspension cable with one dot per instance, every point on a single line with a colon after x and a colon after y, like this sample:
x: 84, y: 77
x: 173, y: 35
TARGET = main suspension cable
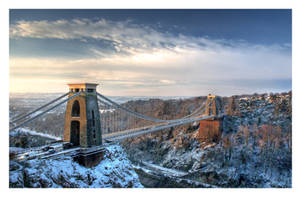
x: 20, y: 117
x: 138, y: 114
x: 38, y: 115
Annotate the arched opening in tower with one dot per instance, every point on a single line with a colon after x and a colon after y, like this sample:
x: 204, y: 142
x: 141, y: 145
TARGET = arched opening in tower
x: 75, y: 133
x: 75, y: 109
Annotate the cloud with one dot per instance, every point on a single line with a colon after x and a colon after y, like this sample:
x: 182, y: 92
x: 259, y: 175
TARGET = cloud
x: 124, y: 36
x: 147, y: 61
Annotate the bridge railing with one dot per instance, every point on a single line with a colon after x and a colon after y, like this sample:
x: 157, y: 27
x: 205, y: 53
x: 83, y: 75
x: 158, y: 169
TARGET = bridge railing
x: 128, y: 134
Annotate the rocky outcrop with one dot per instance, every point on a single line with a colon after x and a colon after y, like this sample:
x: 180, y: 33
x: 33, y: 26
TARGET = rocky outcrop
x: 254, y: 149
x: 115, y: 170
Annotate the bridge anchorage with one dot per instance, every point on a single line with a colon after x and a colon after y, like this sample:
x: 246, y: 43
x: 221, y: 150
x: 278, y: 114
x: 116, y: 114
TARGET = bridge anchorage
x: 92, y: 118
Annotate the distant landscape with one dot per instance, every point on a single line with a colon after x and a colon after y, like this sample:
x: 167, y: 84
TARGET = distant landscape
x: 255, y: 149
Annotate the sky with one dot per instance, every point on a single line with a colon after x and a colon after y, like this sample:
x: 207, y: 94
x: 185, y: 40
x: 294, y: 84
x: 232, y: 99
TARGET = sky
x: 151, y: 52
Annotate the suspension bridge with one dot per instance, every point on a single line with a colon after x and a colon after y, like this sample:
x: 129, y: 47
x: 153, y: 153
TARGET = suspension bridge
x: 92, y: 118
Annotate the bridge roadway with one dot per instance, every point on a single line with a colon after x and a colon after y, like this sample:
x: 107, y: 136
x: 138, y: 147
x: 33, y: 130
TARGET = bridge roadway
x: 117, y: 136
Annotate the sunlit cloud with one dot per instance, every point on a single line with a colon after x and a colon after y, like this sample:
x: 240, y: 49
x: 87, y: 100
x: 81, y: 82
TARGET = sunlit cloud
x: 145, y: 61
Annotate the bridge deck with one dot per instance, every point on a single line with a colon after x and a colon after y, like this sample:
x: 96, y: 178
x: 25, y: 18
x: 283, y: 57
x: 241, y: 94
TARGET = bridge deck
x: 134, y: 133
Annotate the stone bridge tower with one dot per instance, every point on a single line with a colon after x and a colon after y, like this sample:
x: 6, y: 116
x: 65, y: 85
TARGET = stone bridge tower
x: 82, y: 118
x: 210, y: 130
x: 212, y: 106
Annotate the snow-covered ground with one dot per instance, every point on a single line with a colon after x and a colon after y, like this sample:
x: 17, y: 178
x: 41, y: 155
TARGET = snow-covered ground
x: 115, y: 170
x: 254, y: 151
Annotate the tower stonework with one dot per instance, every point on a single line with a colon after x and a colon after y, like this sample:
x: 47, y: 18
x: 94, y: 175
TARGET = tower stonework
x: 210, y: 130
x: 82, y: 117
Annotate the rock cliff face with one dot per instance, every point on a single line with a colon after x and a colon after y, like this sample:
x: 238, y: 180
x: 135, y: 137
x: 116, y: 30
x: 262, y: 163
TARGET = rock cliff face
x: 254, y: 150
x: 114, y: 171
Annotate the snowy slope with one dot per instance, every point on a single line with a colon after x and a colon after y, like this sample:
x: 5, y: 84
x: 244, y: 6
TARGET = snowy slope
x: 115, y: 170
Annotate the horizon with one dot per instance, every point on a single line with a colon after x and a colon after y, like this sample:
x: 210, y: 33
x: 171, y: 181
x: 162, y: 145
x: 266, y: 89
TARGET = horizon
x: 268, y: 93
x: 151, y: 52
